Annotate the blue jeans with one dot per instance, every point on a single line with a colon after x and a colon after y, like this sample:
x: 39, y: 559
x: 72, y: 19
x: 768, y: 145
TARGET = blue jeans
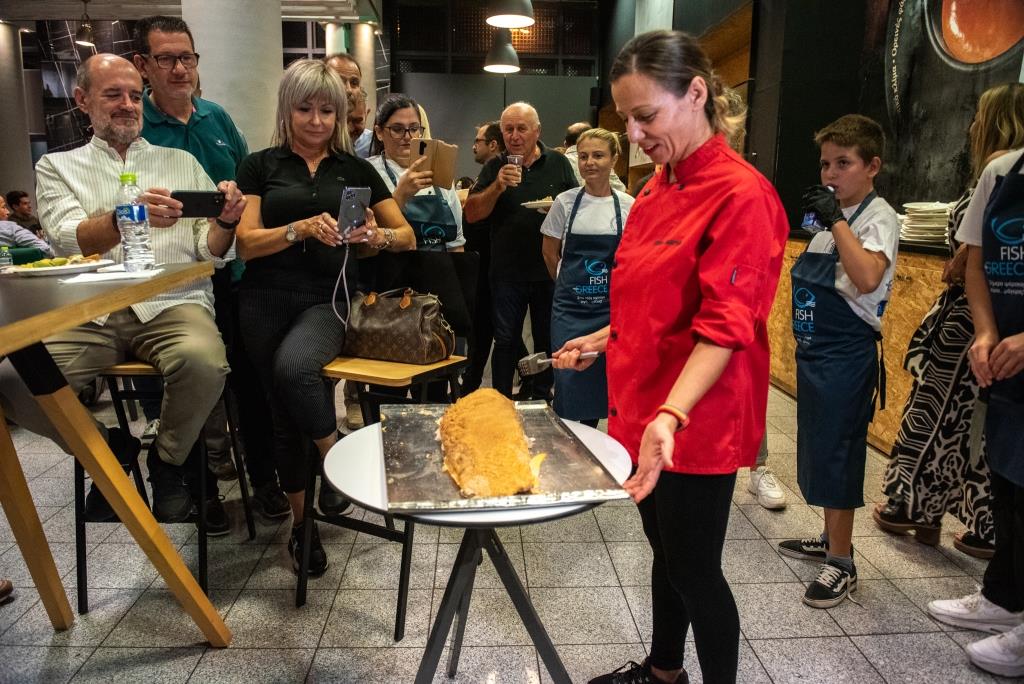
x: 510, y: 302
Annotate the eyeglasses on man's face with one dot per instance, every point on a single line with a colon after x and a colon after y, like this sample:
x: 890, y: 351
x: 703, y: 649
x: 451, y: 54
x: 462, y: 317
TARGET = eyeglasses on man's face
x: 398, y: 131
x: 189, y: 60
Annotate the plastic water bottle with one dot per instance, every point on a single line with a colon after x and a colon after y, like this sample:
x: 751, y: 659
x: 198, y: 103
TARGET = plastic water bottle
x: 133, y: 222
x: 811, y: 222
x: 5, y: 257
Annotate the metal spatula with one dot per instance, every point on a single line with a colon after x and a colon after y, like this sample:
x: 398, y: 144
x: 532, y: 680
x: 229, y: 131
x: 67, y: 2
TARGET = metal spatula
x: 539, y: 362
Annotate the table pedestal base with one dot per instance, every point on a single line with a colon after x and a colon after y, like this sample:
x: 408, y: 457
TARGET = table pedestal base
x: 455, y: 606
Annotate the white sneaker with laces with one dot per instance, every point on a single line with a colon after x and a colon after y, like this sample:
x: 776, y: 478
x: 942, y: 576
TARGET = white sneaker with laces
x: 152, y: 429
x: 975, y: 612
x: 766, y: 488
x: 1002, y: 654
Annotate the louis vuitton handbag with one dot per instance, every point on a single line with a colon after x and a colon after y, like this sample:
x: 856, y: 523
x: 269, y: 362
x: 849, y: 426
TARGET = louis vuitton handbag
x: 398, y: 325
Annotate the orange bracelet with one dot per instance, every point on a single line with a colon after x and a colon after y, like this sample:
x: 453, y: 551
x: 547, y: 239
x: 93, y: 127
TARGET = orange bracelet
x: 677, y: 413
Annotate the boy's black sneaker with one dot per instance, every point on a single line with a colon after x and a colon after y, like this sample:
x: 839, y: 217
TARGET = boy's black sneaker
x: 833, y: 584
x: 126, y: 448
x: 806, y: 549
x: 636, y: 673
x: 270, y: 501
x: 172, y: 502
x: 317, y: 556
x: 217, y: 522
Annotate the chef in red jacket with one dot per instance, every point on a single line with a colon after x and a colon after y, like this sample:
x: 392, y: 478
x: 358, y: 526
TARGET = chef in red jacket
x: 687, y: 349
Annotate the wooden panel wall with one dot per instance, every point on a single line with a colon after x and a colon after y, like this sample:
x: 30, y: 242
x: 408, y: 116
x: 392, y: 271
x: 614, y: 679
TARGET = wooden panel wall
x: 918, y: 283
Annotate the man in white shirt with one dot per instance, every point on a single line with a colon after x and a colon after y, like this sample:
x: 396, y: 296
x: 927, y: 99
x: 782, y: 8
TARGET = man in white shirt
x: 173, y: 331
x: 572, y: 134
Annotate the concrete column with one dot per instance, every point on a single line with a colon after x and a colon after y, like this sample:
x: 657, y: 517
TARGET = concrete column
x: 335, y: 38
x: 364, y: 43
x: 16, y: 171
x: 240, y: 69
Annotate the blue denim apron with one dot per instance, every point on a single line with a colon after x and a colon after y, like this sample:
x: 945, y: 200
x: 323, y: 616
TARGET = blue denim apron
x: 837, y: 374
x: 431, y: 218
x: 1002, y: 247
x: 581, y: 306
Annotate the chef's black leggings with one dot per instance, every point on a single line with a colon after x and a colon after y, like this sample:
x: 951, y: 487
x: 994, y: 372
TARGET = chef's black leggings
x: 684, y: 519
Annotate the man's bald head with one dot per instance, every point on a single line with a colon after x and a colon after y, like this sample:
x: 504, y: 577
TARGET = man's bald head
x: 109, y: 91
x: 572, y: 133
x: 520, y: 127
x: 522, y: 110
x: 100, y: 64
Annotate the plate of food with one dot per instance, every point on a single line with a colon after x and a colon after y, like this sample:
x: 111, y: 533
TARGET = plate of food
x: 541, y: 204
x: 62, y: 266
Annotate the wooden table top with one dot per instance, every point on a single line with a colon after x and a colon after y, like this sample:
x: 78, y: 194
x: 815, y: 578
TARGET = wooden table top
x: 32, y: 309
x: 387, y: 373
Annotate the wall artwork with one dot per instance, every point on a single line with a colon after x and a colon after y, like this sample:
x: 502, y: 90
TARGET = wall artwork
x: 925, y: 63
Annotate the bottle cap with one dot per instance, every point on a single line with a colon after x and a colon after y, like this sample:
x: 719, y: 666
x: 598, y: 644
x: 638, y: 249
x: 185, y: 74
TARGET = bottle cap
x: 128, y: 178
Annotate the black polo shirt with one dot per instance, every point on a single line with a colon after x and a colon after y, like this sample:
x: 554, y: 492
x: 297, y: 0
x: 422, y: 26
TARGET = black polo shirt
x: 515, y: 230
x: 289, y: 194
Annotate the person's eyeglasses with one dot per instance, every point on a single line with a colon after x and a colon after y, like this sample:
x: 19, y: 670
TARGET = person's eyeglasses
x: 189, y: 60
x: 398, y: 132
x: 479, y: 140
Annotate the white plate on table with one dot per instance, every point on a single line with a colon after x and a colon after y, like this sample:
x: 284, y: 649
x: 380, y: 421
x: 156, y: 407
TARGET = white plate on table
x: 67, y: 269
x: 926, y: 206
x: 540, y: 204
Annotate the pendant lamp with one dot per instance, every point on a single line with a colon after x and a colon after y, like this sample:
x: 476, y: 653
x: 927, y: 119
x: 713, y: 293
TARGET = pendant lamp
x: 510, y: 13
x: 83, y: 36
x: 502, y: 57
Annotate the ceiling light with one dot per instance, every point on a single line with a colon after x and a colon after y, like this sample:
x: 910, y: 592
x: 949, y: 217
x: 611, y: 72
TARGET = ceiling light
x: 83, y: 36
x: 502, y: 57
x: 510, y: 13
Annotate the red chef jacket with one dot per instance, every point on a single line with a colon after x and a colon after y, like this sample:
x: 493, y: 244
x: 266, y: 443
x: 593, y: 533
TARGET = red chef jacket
x: 699, y: 256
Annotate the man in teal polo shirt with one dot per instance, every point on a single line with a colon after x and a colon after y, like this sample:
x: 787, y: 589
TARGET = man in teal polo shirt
x: 174, y: 116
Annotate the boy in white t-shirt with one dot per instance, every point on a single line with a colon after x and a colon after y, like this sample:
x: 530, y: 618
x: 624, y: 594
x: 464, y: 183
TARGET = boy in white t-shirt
x: 841, y: 285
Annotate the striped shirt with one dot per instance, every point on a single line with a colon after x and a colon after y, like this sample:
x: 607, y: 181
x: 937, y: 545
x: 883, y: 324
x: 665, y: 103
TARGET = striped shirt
x: 81, y: 183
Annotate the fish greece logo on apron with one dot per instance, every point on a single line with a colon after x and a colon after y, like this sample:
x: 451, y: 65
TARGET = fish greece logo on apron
x: 803, y: 314
x: 596, y: 287
x: 1010, y: 262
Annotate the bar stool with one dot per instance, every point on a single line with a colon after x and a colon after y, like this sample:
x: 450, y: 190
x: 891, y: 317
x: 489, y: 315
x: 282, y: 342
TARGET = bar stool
x: 363, y: 373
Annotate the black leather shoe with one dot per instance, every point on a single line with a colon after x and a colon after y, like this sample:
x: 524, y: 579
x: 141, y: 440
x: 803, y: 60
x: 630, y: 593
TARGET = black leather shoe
x: 217, y: 522
x: 270, y: 501
x: 171, y: 499
x: 126, y: 448
x: 331, y: 503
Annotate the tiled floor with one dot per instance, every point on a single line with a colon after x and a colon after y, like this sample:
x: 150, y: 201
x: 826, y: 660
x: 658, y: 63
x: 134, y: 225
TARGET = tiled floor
x: 587, y: 576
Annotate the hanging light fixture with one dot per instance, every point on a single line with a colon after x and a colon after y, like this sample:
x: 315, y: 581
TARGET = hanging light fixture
x: 83, y: 36
x: 502, y: 57
x: 510, y: 13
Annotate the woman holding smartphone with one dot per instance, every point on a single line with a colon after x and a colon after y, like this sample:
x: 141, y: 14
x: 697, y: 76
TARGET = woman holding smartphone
x: 295, y: 254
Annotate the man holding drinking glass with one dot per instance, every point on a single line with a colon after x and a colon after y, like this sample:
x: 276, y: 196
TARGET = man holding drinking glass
x: 519, y: 279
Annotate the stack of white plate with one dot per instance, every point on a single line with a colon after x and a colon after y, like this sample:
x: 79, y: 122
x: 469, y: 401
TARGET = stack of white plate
x: 926, y: 223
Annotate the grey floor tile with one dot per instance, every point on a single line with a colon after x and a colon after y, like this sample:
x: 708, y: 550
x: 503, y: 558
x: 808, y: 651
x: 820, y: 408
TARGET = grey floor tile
x: 269, y: 618
x: 12, y: 565
x: 364, y: 665
x: 117, y: 566
x: 377, y: 566
x: 795, y: 521
x: 132, y: 665
x: 226, y: 567
x: 23, y: 664
x: 61, y: 528
x: 908, y: 658
x: 157, y: 620
x: 274, y: 569
x: 749, y: 669
x: 23, y: 599
x: 486, y: 575
x: 329, y: 534
x: 899, y: 557
x: 52, y: 491
x: 493, y: 620
x: 781, y: 444
x: 44, y: 513
x: 178, y: 533
x: 35, y: 464
x: 106, y: 608
x: 770, y: 611
x: 784, y: 424
x: 569, y: 565
x: 818, y: 659
x: 883, y: 610
x: 366, y: 618
x: 586, y: 662
x: 423, y: 534
x: 621, y: 523
x: 585, y: 616
x: 789, y: 480
x: 252, y: 665
x: 497, y: 664
x: 923, y: 590
x: 740, y: 526
x: 753, y: 561
x: 969, y: 564
x: 453, y: 535
x: 781, y: 408
x: 575, y: 528
x: 632, y: 562
x: 639, y: 601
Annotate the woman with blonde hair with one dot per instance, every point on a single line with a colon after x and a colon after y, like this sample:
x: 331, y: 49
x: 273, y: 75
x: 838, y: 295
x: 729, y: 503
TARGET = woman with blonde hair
x: 938, y: 463
x: 301, y: 267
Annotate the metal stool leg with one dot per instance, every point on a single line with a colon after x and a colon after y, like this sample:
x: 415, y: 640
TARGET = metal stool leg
x: 237, y: 450
x: 307, y: 530
x: 81, y: 567
x: 203, y: 466
x: 403, y: 580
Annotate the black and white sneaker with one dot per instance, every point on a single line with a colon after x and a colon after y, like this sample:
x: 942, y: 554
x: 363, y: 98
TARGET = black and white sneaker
x: 317, y: 556
x: 833, y: 585
x: 635, y: 673
x: 806, y: 549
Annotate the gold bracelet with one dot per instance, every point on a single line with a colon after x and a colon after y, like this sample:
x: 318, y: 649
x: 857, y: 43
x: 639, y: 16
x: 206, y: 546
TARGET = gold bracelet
x: 677, y: 413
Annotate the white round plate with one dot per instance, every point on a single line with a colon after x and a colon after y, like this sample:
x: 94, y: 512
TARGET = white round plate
x: 926, y: 206
x: 539, y: 204
x: 67, y: 269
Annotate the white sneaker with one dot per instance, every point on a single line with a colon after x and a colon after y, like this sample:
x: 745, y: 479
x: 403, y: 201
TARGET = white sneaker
x: 152, y: 429
x: 766, y: 488
x: 975, y: 612
x: 1002, y: 654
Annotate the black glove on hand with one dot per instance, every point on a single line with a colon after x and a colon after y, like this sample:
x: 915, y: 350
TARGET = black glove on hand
x: 822, y: 202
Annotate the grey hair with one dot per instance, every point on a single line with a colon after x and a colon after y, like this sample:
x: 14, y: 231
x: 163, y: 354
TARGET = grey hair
x: 305, y: 80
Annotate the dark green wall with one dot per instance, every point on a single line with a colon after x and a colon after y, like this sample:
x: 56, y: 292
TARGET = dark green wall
x: 697, y: 16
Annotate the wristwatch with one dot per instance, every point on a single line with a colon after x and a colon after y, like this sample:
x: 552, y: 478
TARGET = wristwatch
x: 289, y: 233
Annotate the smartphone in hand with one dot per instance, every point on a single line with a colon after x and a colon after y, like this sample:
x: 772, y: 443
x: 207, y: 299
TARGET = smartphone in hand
x: 352, y: 213
x: 199, y: 204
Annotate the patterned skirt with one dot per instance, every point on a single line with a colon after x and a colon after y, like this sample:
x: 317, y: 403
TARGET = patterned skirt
x: 938, y: 463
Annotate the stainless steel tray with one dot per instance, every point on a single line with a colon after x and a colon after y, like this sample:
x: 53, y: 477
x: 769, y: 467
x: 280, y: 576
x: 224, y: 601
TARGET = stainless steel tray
x: 415, y: 481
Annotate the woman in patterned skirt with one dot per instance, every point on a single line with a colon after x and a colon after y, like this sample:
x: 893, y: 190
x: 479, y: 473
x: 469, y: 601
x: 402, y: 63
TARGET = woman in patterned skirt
x: 938, y: 463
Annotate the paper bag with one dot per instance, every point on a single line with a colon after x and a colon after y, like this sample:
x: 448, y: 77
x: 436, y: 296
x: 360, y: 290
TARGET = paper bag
x: 440, y: 159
